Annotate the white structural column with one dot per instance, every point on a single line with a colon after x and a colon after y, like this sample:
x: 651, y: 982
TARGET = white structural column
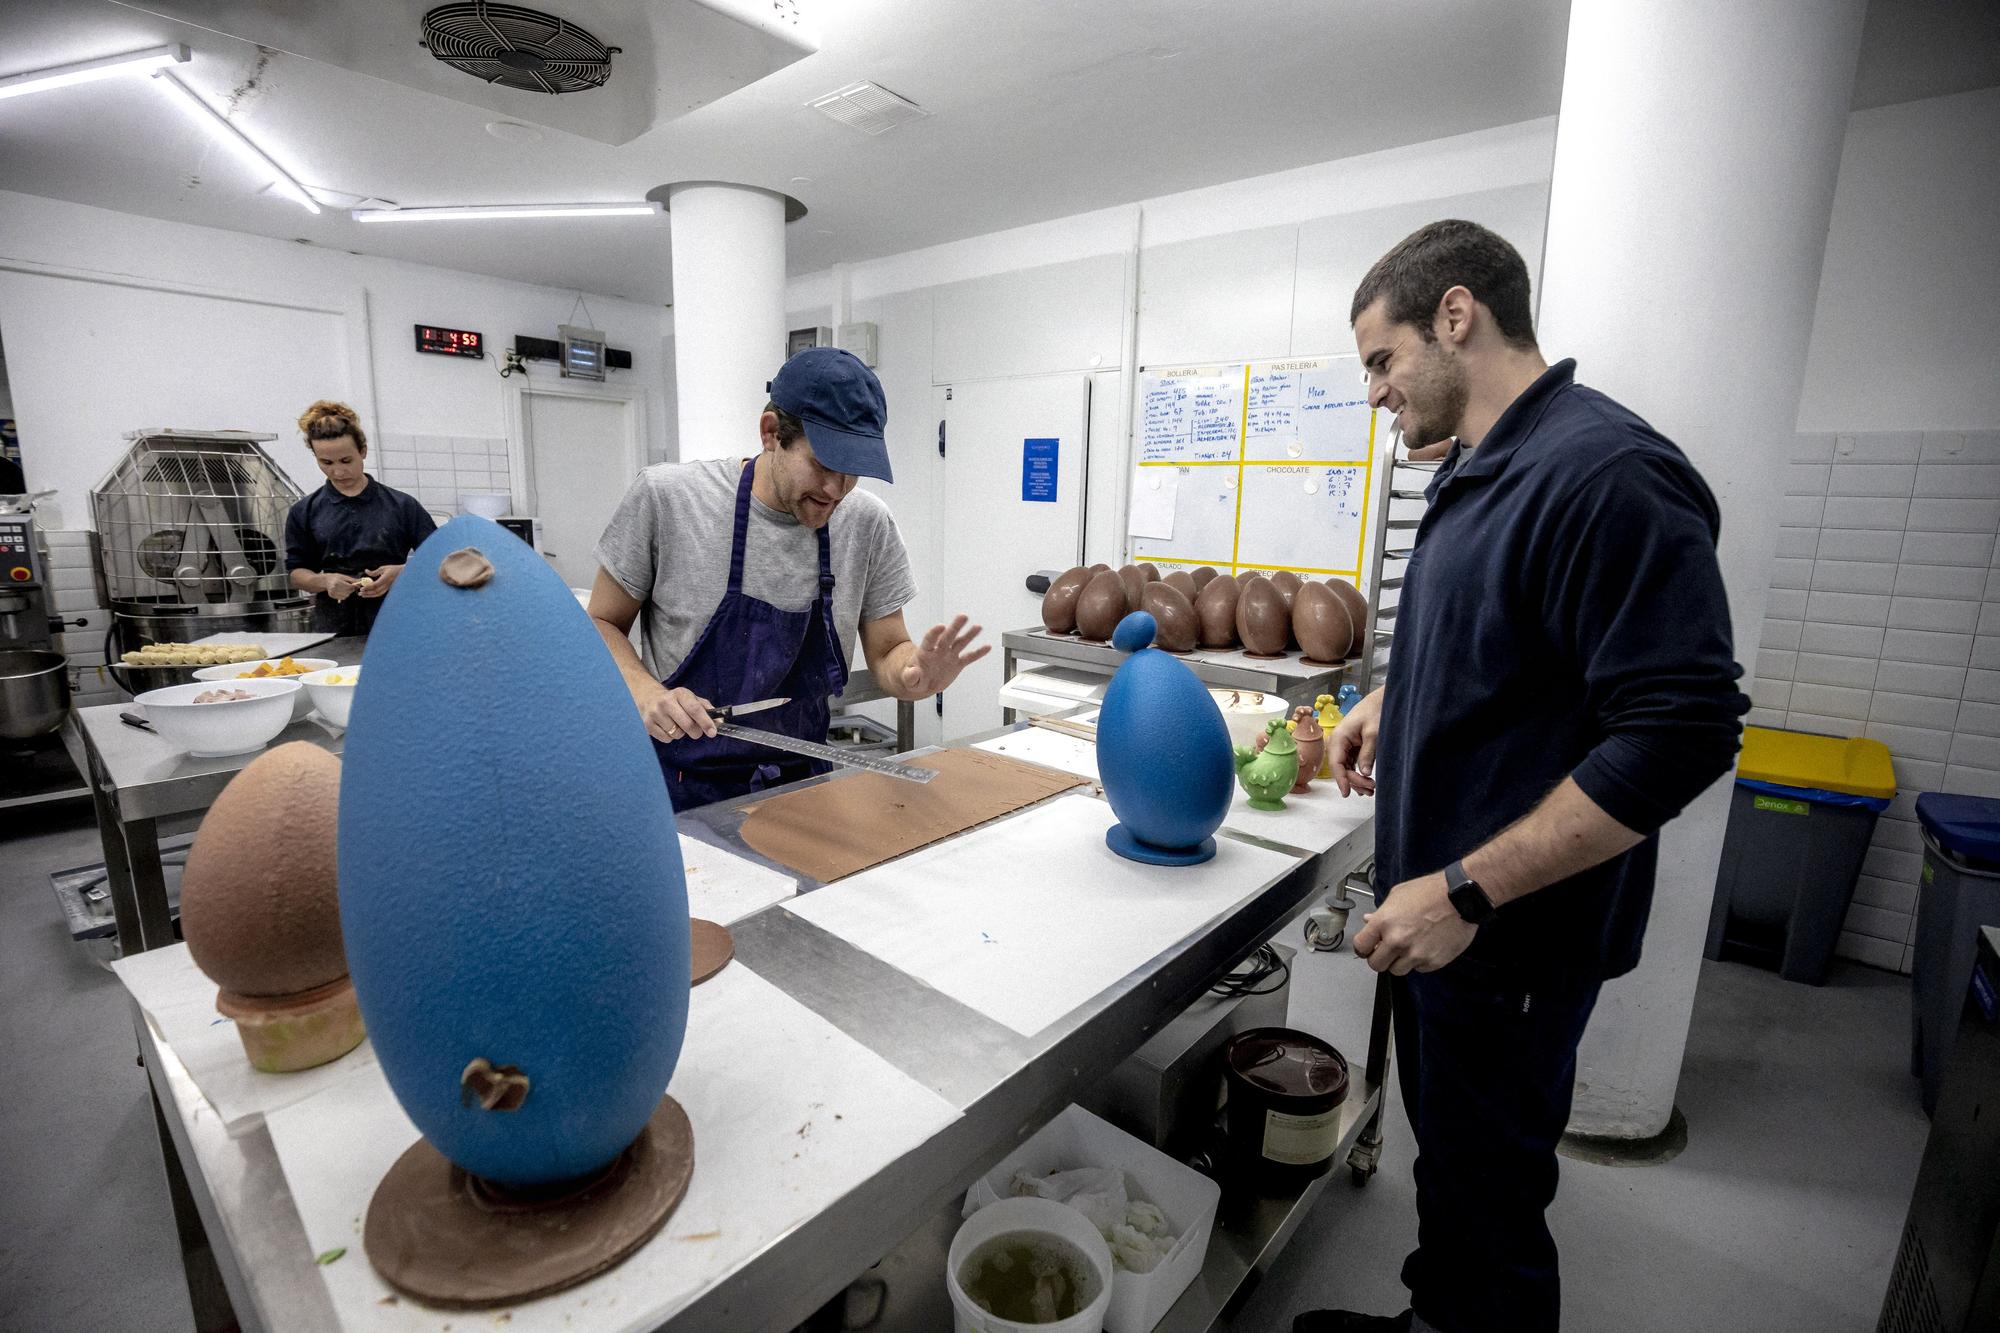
x: 729, y: 311
x: 1696, y: 155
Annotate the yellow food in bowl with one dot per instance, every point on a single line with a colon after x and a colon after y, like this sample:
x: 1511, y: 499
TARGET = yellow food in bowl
x: 349, y: 679
x: 265, y: 670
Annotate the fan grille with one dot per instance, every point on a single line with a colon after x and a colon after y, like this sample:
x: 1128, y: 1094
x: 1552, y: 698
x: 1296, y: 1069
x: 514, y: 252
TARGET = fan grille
x: 517, y: 47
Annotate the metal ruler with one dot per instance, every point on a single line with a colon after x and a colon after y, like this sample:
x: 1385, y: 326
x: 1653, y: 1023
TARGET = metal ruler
x: 832, y: 754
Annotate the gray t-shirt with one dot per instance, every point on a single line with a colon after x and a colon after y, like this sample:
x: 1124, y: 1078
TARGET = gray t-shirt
x: 668, y: 546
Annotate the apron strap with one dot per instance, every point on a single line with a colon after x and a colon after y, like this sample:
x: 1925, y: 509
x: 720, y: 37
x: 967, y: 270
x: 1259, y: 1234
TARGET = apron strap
x: 737, y: 542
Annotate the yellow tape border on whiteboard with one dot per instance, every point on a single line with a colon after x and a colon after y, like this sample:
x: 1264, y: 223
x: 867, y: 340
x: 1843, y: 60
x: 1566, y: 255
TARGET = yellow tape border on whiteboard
x: 1244, y: 460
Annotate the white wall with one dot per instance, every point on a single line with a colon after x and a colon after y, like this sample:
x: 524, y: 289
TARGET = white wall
x: 1904, y: 337
x: 113, y: 322
x: 1884, y: 611
x: 142, y: 278
x: 1257, y: 268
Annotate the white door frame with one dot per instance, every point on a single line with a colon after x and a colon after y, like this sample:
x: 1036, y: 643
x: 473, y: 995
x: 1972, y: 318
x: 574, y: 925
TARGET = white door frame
x: 520, y: 475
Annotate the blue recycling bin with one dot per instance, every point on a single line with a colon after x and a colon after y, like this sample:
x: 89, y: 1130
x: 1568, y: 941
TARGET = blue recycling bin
x: 1960, y: 893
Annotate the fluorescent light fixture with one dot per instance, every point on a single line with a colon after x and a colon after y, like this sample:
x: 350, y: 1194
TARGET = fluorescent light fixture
x: 218, y: 125
x: 90, y: 71
x: 460, y: 212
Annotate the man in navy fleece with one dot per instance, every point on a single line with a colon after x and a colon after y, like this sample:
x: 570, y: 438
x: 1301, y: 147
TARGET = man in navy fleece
x: 1562, y: 685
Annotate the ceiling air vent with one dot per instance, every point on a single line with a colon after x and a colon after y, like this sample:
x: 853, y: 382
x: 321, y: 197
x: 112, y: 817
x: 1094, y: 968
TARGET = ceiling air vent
x: 516, y: 47
x: 868, y: 107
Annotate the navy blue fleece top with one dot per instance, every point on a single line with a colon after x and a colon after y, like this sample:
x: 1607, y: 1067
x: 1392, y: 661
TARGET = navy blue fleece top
x: 1562, y: 615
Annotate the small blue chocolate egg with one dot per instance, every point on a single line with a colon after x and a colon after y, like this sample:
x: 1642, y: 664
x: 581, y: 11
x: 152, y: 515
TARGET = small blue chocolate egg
x: 1163, y: 754
x: 511, y: 888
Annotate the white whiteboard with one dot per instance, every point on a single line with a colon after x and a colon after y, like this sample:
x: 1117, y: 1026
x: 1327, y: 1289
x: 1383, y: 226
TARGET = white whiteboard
x: 1254, y: 465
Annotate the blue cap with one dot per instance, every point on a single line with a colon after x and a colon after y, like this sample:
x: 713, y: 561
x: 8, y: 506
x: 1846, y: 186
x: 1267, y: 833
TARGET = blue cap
x: 841, y: 403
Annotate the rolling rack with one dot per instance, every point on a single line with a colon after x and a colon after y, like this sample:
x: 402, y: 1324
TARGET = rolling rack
x: 1399, y: 508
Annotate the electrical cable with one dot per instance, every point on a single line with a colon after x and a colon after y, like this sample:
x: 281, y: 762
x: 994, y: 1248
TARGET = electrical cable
x: 1267, y: 972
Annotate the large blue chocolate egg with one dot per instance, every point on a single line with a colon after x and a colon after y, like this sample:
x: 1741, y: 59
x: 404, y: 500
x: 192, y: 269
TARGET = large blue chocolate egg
x: 511, y: 886
x: 1162, y: 753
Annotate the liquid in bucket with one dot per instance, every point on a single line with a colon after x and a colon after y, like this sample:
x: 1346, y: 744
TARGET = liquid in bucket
x: 1029, y: 1277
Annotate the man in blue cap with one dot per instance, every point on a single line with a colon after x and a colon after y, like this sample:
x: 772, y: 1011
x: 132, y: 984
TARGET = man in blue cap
x: 810, y: 563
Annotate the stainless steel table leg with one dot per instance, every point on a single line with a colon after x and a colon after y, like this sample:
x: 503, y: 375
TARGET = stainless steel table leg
x: 148, y: 885
x: 138, y: 900
x: 1007, y: 715
x: 1367, y: 1151
x: 207, y: 1294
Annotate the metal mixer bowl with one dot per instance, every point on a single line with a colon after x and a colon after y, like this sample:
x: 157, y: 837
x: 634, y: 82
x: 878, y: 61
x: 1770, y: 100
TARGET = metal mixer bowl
x: 34, y: 692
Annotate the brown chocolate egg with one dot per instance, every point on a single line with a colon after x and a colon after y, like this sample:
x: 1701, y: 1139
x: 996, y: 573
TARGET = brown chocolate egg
x: 1202, y: 574
x: 1287, y: 584
x: 1101, y: 606
x: 1216, y: 607
x: 1262, y: 622
x: 260, y: 909
x: 1183, y: 583
x: 1059, y: 602
x: 1135, y: 583
x: 1174, y: 614
x: 1320, y: 623
x: 1150, y: 570
x: 1098, y: 568
x: 1357, y: 611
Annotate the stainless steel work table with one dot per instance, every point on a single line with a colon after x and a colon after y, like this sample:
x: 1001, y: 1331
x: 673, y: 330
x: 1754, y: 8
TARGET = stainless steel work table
x: 137, y: 779
x: 1290, y: 677
x: 1005, y: 1086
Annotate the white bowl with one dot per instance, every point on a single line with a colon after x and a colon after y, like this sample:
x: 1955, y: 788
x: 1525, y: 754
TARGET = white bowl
x: 232, y: 726
x: 230, y: 671
x: 332, y: 701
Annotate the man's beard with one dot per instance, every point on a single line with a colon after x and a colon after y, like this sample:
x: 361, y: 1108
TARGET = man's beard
x: 1438, y: 402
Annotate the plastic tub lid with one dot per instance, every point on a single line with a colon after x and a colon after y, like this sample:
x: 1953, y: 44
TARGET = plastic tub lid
x: 1966, y: 825
x: 1854, y: 767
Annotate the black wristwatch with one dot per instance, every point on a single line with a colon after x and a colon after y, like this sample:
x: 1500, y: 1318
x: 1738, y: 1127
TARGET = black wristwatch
x: 1466, y: 896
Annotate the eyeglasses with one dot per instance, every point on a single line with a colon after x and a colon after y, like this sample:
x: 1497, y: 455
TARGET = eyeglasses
x: 1368, y: 375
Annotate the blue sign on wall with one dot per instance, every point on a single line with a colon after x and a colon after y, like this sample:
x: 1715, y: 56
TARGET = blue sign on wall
x: 1038, y: 470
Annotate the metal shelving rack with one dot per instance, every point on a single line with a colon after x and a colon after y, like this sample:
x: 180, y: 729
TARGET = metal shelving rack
x: 1399, y: 508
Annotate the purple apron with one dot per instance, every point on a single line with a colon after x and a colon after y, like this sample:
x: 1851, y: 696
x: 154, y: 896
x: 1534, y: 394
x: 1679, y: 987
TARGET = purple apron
x: 751, y: 650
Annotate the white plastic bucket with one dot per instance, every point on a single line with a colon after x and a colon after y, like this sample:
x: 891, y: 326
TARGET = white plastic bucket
x: 1050, y: 1218
x: 486, y: 504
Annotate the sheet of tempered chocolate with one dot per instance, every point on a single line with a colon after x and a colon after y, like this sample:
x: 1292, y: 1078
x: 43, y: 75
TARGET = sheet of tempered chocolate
x: 834, y: 829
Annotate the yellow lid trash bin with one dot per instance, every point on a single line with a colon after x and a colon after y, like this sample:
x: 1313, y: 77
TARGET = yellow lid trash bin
x: 1800, y: 820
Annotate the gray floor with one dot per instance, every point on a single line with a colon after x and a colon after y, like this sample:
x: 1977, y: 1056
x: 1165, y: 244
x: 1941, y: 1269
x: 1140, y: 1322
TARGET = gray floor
x: 1782, y: 1214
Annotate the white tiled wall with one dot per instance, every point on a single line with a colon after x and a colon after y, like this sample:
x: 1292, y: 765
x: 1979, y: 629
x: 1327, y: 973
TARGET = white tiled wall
x: 1884, y: 621
x: 73, y: 596
x: 436, y: 468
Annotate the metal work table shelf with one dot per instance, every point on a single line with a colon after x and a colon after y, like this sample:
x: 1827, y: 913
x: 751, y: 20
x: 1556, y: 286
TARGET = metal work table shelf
x: 137, y: 779
x: 1004, y: 1085
x: 1290, y: 677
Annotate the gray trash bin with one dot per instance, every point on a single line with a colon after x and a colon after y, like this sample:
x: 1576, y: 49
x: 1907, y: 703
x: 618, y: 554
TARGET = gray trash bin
x: 1960, y: 893
x: 1799, y: 823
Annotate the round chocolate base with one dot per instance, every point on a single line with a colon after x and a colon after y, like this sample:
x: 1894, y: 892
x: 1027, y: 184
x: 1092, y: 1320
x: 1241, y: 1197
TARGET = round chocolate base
x: 1263, y: 657
x: 442, y: 1236
x: 286, y: 1033
x: 1314, y: 661
x: 1121, y: 841
x: 713, y: 948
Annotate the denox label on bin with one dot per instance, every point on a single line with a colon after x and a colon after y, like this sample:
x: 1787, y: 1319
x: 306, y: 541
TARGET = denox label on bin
x: 1779, y: 805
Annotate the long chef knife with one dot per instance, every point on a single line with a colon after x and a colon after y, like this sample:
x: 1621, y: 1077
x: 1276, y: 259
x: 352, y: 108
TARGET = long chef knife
x: 832, y: 754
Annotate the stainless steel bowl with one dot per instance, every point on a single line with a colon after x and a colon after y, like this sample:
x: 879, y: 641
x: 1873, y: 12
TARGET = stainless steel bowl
x: 34, y: 692
x: 136, y: 624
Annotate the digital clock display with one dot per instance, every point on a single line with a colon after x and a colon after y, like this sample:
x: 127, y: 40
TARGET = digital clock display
x: 449, y: 342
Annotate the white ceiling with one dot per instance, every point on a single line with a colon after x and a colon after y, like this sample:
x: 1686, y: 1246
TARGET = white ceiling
x: 1041, y: 108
